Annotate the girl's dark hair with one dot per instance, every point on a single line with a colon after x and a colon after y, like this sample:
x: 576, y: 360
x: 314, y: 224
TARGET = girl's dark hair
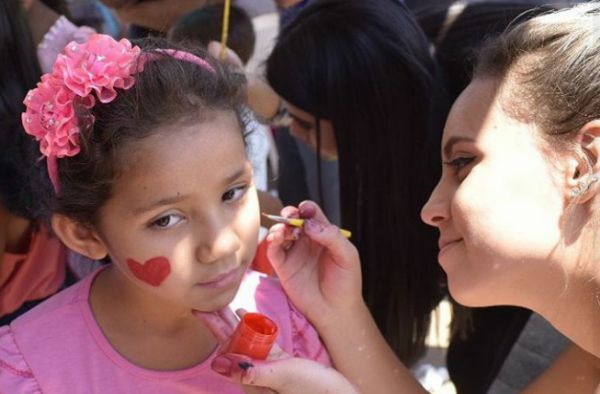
x: 19, y: 72
x: 168, y: 91
x: 366, y: 67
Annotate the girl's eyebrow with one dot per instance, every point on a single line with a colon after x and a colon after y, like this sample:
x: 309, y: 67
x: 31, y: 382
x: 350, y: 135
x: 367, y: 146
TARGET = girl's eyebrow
x: 180, y: 197
x: 453, y: 141
x: 236, y: 175
x: 163, y: 201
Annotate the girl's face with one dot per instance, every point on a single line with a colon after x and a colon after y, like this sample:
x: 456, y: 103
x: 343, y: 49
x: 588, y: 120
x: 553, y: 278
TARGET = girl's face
x: 498, y: 205
x: 183, y: 218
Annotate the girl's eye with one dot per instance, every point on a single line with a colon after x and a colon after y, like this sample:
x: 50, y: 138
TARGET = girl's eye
x: 234, y: 194
x: 459, y: 163
x: 167, y: 221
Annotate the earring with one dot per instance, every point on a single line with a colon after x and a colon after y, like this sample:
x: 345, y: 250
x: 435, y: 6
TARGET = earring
x: 584, y: 185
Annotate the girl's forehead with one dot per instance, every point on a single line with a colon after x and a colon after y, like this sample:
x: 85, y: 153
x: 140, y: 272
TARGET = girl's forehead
x: 184, y: 156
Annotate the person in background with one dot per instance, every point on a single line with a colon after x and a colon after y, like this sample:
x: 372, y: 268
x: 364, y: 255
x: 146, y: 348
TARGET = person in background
x: 33, y: 263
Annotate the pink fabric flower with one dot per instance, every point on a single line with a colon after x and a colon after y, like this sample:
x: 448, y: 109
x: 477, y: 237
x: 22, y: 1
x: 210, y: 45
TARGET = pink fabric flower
x: 102, y: 65
x: 83, y: 73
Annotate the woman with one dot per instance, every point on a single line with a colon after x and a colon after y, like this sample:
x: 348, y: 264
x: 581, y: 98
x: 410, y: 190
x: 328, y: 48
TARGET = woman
x: 516, y: 208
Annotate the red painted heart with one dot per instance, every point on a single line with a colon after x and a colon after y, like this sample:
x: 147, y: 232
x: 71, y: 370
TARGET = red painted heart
x: 153, y: 271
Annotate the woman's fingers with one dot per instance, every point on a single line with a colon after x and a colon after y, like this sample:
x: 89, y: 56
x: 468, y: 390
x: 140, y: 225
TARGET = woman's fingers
x: 229, y: 318
x: 231, y: 58
x: 218, y: 326
x: 284, y: 376
x: 276, y: 248
x: 311, y: 210
x: 342, y: 252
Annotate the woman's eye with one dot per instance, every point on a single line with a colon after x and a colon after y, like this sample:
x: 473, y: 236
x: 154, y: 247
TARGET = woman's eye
x: 459, y: 163
x: 234, y: 194
x: 167, y: 221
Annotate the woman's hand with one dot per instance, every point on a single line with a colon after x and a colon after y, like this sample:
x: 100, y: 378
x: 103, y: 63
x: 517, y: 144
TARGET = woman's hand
x: 281, y: 373
x: 318, y: 268
x: 231, y: 58
x: 289, y: 375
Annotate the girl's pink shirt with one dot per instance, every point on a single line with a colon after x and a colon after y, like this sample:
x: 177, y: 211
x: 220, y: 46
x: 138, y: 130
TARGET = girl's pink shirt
x: 58, y: 347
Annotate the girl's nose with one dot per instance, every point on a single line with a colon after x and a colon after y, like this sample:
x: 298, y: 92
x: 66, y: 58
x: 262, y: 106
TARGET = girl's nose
x: 217, y: 242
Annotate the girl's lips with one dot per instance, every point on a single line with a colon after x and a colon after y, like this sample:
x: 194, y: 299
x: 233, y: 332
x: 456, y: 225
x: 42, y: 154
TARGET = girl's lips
x: 221, y: 281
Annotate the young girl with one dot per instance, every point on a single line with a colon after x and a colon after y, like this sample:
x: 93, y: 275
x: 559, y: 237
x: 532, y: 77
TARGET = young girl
x: 146, y: 158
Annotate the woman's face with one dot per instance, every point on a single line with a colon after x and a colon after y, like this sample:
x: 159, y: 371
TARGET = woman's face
x: 498, y: 205
x: 304, y: 128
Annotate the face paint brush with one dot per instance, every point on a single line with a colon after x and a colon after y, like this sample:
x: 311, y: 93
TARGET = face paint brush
x: 296, y: 222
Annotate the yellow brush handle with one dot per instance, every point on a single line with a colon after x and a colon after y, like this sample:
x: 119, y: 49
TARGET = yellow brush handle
x: 300, y: 223
x: 225, y: 31
x: 346, y: 233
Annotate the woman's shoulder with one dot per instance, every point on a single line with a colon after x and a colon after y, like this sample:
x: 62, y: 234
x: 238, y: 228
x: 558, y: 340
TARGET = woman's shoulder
x: 15, y: 374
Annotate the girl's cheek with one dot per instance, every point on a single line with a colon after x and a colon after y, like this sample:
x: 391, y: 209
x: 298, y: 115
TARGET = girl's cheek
x: 153, y: 271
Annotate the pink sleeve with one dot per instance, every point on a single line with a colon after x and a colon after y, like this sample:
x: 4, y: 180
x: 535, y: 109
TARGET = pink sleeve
x: 306, y: 341
x: 15, y: 375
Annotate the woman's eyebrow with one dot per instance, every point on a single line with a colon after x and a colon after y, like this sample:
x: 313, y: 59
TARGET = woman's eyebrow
x: 453, y: 141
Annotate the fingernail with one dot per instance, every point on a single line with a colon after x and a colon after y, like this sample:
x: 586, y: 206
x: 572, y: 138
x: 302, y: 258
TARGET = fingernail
x: 222, y: 365
x: 313, y: 226
x: 307, y: 210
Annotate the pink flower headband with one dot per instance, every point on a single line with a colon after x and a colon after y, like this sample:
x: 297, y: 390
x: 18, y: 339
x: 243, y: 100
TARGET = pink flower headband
x: 81, y: 75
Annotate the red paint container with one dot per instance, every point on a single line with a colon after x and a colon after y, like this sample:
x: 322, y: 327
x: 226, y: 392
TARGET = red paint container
x: 254, y: 336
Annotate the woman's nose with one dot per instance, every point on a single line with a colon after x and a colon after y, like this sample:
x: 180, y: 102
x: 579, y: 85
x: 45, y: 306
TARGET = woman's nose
x: 436, y: 210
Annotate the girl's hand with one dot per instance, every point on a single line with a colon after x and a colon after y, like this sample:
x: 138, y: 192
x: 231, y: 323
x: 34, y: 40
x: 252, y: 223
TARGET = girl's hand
x: 318, y: 268
x: 279, y: 374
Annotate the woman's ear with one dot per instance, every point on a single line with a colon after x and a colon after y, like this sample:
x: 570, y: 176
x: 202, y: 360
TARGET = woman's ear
x: 79, y: 238
x: 584, y: 172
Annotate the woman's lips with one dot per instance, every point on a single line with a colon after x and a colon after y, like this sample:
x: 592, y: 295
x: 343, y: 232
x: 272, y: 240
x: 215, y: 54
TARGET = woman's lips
x: 446, y: 245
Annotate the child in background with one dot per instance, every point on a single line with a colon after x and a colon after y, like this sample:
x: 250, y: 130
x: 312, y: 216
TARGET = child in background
x: 204, y: 25
x: 33, y: 264
x: 147, y: 163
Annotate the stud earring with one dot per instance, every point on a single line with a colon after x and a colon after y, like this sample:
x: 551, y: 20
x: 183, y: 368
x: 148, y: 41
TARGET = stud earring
x: 584, y: 185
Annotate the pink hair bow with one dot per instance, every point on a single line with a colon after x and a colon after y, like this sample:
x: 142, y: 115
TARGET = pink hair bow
x: 81, y: 75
